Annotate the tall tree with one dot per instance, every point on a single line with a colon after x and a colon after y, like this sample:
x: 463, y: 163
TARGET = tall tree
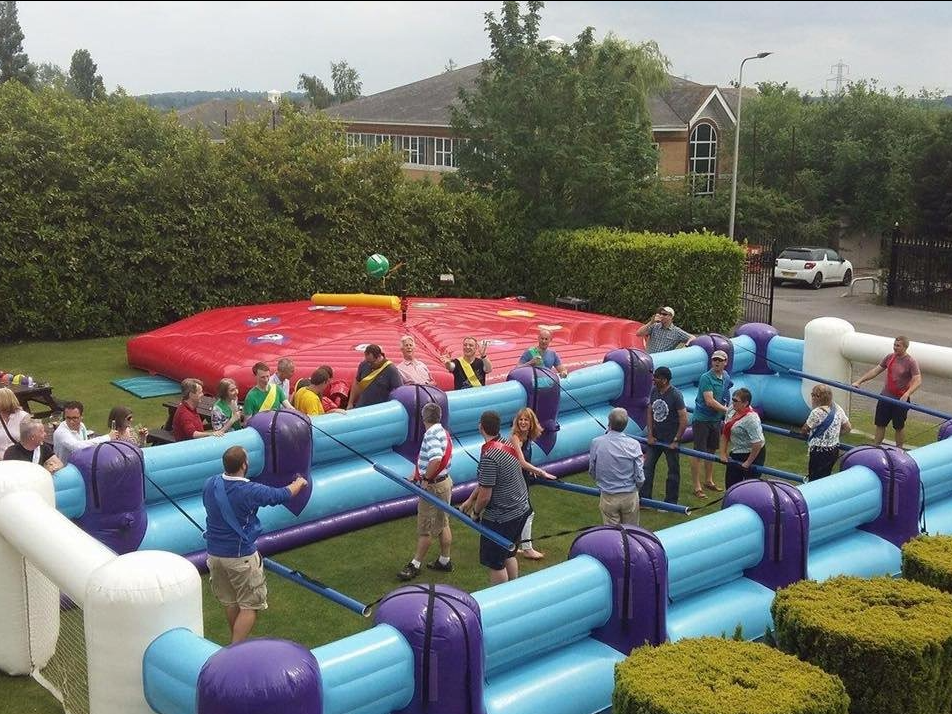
x: 347, y: 82
x: 83, y: 80
x: 932, y: 182
x: 51, y: 75
x: 14, y: 63
x: 317, y: 94
x: 565, y: 130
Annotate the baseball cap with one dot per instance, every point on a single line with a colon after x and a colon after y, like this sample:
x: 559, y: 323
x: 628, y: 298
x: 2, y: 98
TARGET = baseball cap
x: 668, y: 310
x: 719, y: 354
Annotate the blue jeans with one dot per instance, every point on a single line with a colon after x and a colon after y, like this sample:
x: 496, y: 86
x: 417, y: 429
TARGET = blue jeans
x: 673, y: 482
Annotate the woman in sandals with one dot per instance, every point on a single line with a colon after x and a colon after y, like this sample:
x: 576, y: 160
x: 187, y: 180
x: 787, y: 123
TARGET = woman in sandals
x: 525, y: 430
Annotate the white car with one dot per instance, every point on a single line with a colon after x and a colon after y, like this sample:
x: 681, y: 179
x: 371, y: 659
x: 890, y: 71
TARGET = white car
x: 813, y: 267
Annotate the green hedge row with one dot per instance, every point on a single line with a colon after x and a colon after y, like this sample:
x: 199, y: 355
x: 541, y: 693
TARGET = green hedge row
x: 632, y: 274
x: 117, y: 219
x: 712, y: 676
x: 928, y: 560
x: 890, y: 641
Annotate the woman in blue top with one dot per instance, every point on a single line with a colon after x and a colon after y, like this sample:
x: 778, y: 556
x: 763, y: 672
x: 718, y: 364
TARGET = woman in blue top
x: 744, y: 438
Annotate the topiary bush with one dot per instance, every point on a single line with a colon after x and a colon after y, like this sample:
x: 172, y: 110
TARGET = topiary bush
x: 889, y: 640
x: 928, y: 560
x: 631, y: 274
x: 713, y: 676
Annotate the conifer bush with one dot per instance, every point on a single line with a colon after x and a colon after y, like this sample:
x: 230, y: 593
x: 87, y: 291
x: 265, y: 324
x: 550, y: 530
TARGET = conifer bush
x: 928, y: 560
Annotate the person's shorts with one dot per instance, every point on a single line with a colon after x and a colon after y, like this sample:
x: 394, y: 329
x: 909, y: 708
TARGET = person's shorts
x: 239, y: 581
x: 886, y: 412
x: 821, y: 462
x: 707, y: 436
x: 494, y: 556
x: 431, y: 520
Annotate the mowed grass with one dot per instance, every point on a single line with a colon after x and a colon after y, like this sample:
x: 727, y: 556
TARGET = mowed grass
x: 363, y: 564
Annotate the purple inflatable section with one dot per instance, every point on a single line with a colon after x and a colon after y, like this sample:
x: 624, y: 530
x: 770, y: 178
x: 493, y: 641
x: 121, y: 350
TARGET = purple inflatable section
x: 260, y: 676
x: 543, y: 391
x: 898, y: 520
x: 413, y: 397
x: 638, y: 566
x: 761, y: 333
x: 783, y: 511
x: 114, y: 477
x: 442, y: 626
x: 636, y: 388
x: 945, y: 431
x: 714, y: 341
x: 287, y: 452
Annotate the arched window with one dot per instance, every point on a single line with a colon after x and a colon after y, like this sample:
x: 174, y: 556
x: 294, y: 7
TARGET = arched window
x: 703, y: 159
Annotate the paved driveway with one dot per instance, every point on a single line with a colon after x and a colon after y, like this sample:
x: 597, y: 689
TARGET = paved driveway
x: 794, y: 307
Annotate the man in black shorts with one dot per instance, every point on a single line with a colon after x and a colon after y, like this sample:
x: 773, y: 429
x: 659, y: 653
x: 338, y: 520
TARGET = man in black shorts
x: 902, y: 380
x: 501, y: 500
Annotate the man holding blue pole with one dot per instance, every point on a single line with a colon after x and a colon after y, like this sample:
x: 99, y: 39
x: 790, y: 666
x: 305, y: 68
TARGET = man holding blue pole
x: 235, y: 567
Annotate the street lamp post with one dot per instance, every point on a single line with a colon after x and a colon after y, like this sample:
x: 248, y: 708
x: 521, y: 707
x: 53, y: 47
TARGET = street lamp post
x: 740, y: 96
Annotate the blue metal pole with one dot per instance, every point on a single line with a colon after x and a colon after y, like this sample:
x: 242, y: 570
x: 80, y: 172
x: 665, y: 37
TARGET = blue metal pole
x: 589, y: 491
x: 445, y: 507
x: 881, y: 397
x: 792, y: 433
x: 315, y: 587
x: 786, y: 475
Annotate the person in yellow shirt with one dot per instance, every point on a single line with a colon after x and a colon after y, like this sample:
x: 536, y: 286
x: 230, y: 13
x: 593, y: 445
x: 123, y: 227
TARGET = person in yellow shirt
x: 308, y: 393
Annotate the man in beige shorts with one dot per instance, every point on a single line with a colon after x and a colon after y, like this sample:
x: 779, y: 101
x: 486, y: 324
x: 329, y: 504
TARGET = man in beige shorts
x: 232, y: 528
x: 432, y: 474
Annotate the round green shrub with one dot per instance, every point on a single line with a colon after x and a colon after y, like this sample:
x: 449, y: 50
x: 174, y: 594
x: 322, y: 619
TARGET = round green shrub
x: 889, y: 640
x: 713, y: 676
x: 928, y: 560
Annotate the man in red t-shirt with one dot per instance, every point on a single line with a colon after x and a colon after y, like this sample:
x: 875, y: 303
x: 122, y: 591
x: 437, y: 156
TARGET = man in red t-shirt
x: 187, y: 424
x: 902, y: 380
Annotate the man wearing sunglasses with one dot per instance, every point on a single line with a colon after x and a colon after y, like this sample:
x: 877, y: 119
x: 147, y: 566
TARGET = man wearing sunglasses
x: 710, y: 406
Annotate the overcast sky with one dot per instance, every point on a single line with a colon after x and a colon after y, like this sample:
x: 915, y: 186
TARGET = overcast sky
x: 165, y: 46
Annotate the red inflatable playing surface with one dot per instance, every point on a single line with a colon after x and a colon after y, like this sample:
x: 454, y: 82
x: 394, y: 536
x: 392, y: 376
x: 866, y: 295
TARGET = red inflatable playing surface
x: 226, y: 342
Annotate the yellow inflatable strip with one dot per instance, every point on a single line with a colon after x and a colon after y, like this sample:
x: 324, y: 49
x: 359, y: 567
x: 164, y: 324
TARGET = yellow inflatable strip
x: 357, y: 300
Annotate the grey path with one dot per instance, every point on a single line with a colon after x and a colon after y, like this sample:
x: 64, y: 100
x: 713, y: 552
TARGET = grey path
x: 796, y: 306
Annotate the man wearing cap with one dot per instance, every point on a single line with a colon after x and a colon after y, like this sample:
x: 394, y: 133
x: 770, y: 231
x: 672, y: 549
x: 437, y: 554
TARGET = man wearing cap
x: 662, y: 333
x: 710, y: 406
x: 376, y: 378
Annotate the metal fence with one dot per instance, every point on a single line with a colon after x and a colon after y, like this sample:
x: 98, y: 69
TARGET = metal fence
x: 920, y: 273
x: 758, y: 282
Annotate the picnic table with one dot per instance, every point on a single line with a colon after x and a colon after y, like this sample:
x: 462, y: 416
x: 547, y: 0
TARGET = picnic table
x: 41, y: 394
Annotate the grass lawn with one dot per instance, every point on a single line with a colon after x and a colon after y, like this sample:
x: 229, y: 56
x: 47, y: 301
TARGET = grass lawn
x: 362, y: 564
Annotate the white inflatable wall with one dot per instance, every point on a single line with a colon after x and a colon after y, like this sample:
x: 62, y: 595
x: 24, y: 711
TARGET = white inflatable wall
x: 127, y: 600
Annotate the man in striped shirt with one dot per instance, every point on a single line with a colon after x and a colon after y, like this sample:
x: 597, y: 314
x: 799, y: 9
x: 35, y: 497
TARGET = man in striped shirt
x: 432, y: 473
x: 501, y: 500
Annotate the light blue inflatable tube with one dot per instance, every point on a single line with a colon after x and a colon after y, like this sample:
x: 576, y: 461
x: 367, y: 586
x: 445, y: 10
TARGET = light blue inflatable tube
x: 70, y: 492
x: 170, y: 669
x: 838, y: 505
x: 182, y: 468
x: 367, y: 430
x: 466, y: 405
x: 745, y: 352
x: 935, y: 470
x: 784, y: 353
x: 591, y: 386
x: 367, y: 673
x: 713, y: 550
x: 556, y: 606
x: 686, y: 364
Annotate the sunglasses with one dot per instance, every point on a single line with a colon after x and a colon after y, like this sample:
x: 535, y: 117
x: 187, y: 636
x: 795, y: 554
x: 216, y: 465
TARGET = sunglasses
x: 718, y: 359
x: 735, y: 399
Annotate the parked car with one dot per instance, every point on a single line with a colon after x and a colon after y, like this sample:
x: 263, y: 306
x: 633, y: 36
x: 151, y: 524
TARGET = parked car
x: 813, y: 267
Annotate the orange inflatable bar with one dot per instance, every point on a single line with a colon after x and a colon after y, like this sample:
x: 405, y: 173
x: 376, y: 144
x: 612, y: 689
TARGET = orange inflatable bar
x: 357, y: 300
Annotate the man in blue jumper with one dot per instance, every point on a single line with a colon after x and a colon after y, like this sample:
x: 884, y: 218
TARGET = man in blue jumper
x: 235, y: 568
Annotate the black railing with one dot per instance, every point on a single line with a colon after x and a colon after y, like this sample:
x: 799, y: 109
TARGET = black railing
x: 920, y: 273
x: 758, y: 282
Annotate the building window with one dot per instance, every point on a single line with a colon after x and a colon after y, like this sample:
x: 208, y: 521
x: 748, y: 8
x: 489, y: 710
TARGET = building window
x: 444, y: 152
x: 411, y: 150
x: 703, y: 159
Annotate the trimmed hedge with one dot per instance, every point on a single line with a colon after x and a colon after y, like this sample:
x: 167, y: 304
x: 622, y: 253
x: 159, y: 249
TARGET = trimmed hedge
x: 712, y: 676
x: 631, y: 274
x: 889, y: 640
x: 928, y: 560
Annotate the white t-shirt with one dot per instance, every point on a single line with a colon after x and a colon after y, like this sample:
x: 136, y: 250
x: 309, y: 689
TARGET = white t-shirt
x: 13, y: 426
x: 831, y: 437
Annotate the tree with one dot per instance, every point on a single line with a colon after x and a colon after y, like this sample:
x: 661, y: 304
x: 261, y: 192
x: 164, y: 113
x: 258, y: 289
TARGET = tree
x: 14, y: 63
x: 932, y: 182
x: 563, y: 131
x: 317, y: 94
x: 83, y: 80
x: 50, y: 75
x: 347, y: 82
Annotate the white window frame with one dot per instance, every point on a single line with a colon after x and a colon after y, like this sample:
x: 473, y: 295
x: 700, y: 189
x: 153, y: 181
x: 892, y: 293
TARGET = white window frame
x: 703, y: 182
x: 412, y: 151
x: 443, y: 156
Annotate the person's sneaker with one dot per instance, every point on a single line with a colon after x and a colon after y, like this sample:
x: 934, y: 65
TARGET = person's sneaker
x: 409, y: 572
x: 437, y: 565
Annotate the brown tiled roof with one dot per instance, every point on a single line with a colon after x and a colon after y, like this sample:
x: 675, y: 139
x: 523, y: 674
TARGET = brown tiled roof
x: 212, y: 114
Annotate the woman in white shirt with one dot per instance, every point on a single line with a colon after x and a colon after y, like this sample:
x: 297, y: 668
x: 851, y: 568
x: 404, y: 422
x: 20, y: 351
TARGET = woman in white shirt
x: 823, y: 428
x: 11, y: 414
